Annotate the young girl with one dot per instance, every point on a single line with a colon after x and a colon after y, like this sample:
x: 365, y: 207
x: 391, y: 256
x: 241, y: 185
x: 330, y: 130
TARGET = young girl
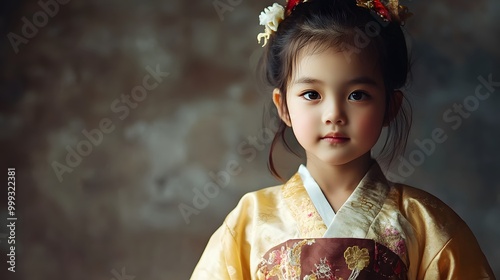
x: 336, y: 67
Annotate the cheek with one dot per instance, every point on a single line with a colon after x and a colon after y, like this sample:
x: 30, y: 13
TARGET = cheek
x: 301, y: 124
x: 370, y: 125
x: 303, y: 128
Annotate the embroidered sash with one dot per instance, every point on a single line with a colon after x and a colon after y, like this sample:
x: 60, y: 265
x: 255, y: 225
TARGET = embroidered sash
x: 331, y: 258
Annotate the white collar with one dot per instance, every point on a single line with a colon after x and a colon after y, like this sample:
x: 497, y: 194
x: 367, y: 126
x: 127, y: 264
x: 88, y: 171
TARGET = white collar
x: 319, y: 200
x: 360, y: 208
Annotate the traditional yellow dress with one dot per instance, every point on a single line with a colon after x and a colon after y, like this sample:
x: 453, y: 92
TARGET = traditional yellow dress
x: 383, y: 231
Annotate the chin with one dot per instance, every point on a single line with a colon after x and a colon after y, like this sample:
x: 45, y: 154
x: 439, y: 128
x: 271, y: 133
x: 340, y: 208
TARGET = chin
x: 336, y: 161
x: 342, y: 159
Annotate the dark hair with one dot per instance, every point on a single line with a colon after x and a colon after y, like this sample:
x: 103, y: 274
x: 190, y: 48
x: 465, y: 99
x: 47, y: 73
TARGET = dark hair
x: 338, y: 23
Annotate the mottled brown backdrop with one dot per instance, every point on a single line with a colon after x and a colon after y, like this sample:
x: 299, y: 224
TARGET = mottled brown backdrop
x: 117, y: 113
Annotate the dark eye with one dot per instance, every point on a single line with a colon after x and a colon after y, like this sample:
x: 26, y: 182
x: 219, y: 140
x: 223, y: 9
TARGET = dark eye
x: 311, y: 95
x: 357, y: 95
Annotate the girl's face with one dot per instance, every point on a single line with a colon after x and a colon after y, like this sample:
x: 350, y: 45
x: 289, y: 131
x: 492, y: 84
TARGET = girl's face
x: 336, y: 105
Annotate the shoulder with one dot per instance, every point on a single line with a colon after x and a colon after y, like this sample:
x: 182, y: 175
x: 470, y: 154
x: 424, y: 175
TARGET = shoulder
x: 252, y: 206
x: 442, y: 237
x: 229, y: 252
x: 427, y: 213
x: 418, y: 202
x: 266, y: 196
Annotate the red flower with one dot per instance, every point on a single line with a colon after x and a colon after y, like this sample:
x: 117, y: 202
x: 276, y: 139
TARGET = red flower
x: 381, y: 10
x: 290, y: 4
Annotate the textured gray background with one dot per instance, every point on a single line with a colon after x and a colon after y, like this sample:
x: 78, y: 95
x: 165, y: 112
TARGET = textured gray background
x: 116, y: 213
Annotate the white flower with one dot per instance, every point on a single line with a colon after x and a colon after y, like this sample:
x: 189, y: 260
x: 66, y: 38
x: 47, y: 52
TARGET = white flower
x: 270, y: 18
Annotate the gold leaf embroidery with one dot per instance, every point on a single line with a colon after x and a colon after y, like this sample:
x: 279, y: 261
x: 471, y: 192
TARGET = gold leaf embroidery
x: 363, y: 203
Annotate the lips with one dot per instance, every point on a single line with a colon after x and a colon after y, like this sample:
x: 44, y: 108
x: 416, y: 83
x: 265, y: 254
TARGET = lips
x: 335, y: 137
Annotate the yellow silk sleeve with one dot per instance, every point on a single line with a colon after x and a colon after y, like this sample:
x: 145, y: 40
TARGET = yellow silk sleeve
x: 444, y: 247
x: 460, y: 258
x: 220, y: 260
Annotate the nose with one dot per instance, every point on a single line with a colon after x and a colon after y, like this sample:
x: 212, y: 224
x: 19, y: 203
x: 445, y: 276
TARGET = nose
x: 334, y: 113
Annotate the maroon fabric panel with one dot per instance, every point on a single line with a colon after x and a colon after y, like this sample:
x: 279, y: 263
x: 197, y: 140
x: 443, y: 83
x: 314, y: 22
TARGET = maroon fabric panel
x: 332, y: 258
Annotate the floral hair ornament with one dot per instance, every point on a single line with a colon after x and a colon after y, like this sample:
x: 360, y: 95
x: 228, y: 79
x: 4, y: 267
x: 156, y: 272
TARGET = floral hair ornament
x: 388, y: 11
x: 272, y: 16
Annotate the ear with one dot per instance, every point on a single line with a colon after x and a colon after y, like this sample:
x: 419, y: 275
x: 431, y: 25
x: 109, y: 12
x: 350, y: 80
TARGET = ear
x: 282, y: 112
x: 393, y: 108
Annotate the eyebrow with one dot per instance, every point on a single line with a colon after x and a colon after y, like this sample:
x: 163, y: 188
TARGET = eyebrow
x: 358, y: 80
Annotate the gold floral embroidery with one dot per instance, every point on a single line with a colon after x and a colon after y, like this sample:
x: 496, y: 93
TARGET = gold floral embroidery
x: 285, y: 262
x: 310, y: 224
x: 356, y: 260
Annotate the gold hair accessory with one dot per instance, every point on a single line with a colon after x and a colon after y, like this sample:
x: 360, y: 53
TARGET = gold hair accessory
x: 388, y: 11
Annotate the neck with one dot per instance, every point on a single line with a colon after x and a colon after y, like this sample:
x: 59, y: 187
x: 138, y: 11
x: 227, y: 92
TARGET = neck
x: 338, y: 181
